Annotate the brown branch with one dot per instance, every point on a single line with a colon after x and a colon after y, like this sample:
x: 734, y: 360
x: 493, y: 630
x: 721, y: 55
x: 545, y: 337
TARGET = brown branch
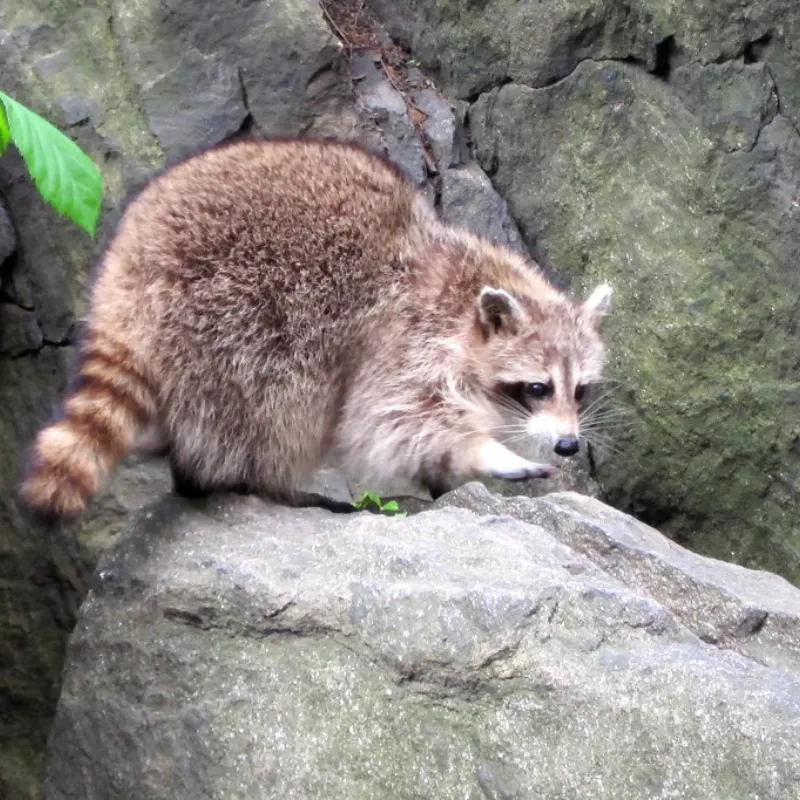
x: 339, y: 32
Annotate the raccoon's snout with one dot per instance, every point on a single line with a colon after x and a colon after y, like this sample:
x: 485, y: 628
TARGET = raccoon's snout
x: 567, y: 446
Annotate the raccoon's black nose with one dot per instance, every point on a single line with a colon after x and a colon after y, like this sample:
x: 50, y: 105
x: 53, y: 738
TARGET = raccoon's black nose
x: 567, y: 446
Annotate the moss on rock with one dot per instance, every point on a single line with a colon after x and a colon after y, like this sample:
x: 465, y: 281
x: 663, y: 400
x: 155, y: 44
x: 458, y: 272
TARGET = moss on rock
x: 612, y: 177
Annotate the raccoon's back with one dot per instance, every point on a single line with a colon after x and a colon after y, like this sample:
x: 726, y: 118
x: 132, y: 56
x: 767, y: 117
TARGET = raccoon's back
x: 314, y: 218
x: 254, y: 253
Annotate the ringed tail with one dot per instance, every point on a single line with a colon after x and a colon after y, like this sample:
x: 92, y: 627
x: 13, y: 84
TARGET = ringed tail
x: 111, y: 401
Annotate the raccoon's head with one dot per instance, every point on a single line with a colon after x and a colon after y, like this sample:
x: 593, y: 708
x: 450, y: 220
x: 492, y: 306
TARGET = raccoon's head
x: 542, y: 354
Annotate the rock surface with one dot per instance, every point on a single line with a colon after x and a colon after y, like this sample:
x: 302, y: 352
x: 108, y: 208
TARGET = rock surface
x: 386, y: 107
x: 656, y: 146
x: 526, y: 648
x: 469, y: 199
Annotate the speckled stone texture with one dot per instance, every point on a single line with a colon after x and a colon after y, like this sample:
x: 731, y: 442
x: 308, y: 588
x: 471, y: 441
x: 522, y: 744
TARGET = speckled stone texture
x: 507, y: 648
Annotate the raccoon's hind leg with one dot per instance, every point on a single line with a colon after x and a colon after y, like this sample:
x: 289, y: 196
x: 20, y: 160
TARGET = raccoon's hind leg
x: 152, y: 441
x: 184, y: 483
x: 187, y: 485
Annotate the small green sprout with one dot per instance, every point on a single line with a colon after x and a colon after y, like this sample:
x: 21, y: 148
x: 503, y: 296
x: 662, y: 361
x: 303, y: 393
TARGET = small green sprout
x: 370, y: 499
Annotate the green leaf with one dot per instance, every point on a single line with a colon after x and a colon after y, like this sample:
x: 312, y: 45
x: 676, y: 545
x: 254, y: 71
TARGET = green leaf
x: 367, y: 499
x: 64, y: 175
x: 5, y: 134
x: 373, y: 499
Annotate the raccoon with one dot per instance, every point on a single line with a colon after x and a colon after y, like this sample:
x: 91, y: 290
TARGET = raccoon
x: 269, y: 305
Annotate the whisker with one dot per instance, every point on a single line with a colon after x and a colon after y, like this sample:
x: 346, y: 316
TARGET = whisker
x: 607, y: 388
x: 597, y: 403
x: 609, y: 417
x: 519, y: 438
x: 510, y: 426
x: 599, y: 409
x: 509, y: 403
x: 610, y: 424
x: 604, y: 431
x: 619, y: 424
x: 605, y: 449
x: 609, y: 427
x: 613, y: 383
x: 595, y: 436
x: 607, y: 409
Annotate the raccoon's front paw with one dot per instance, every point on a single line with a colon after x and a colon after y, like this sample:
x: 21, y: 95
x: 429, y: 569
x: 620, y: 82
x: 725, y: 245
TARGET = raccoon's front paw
x: 497, y: 461
x: 530, y: 470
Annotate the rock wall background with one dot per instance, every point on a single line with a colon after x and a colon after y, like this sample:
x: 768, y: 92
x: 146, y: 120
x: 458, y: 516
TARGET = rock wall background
x: 652, y: 145
x: 656, y: 146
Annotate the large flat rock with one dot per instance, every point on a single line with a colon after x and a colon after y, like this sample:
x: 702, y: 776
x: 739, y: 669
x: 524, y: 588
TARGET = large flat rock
x: 237, y: 649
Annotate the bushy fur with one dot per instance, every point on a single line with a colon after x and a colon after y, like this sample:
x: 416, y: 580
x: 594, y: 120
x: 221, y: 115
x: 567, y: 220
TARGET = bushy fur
x: 266, y: 305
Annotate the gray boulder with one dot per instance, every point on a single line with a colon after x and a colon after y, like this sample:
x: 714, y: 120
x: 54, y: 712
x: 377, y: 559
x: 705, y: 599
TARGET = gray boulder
x: 279, y: 59
x: 508, y: 648
x: 440, y: 128
x: 386, y: 108
x: 656, y: 147
x: 196, y: 104
x: 469, y: 199
x: 476, y: 46
x: 694, y: 229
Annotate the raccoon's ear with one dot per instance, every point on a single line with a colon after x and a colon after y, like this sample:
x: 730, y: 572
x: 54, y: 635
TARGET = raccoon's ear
x: 498, y: 311
x: 599, y: 302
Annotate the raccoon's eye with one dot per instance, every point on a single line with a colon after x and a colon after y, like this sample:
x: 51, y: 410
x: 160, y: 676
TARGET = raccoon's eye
x: 538, y: 390
x: 580, y: 392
